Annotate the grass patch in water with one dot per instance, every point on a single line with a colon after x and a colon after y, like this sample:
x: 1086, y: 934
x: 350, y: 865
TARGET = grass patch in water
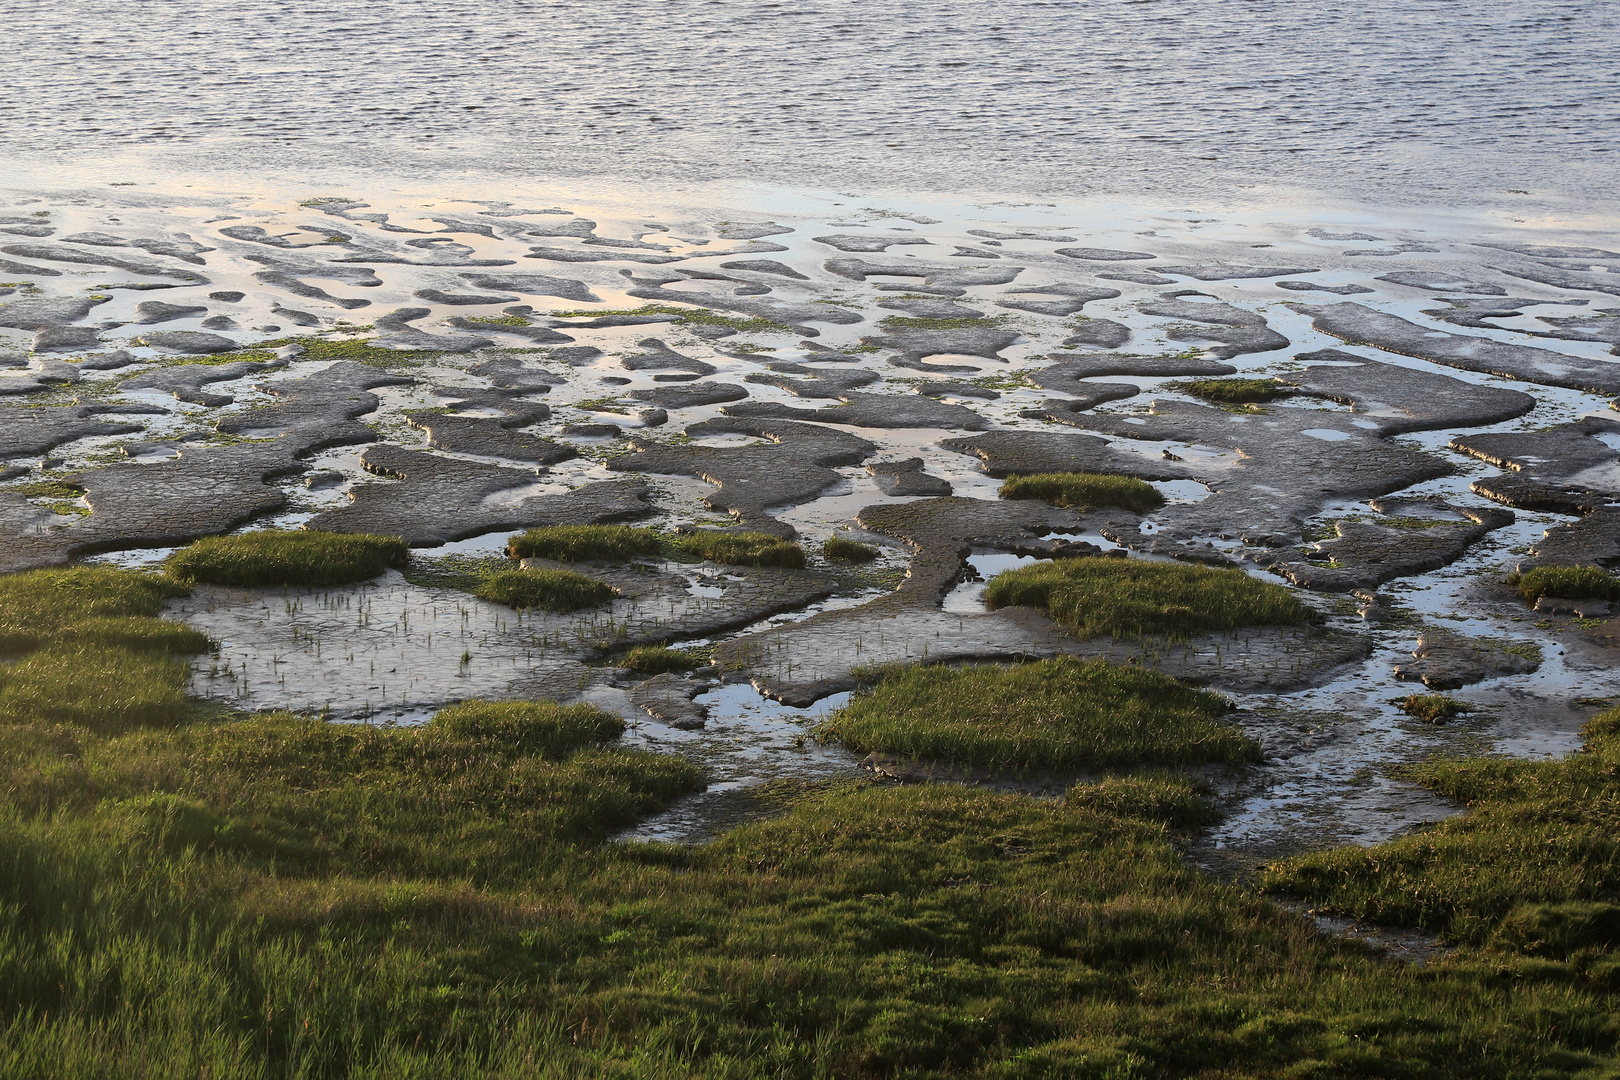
x: 743, y: 548
x: 557, y: 591
x: 1566, y: 583
x: 1432, y: 708
x: 286, y: 557
x: 840, y: 547
x: 657, y: 659
x: 1053, y: 714
x: 1083, y: 490
x: 585, y: 543
x: 1235, y: 391
x: 1133, y: 597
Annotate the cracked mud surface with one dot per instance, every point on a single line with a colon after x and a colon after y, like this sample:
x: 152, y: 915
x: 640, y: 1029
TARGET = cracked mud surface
x: 1466, y: 377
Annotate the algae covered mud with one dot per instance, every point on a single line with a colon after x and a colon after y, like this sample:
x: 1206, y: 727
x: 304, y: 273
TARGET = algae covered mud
x: 1390, y: 418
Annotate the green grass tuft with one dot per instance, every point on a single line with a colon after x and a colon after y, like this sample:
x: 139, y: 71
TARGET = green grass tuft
x: 743, y: 549
x: 585, y: 543
x: 1132, y: 597
x: 1055, y: 714
x: 286, y: 557
x: 657, y: 659
x: 558, y: 591
x: 1432, y: 708
x: 1082, y: 490
x: 1567, y: 583
x: 1236, y: 391
x: 839, y: 547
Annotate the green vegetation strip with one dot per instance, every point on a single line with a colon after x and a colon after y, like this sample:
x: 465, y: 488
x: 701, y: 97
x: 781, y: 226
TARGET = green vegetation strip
x: 1236, y: 391
x: 1082, y: 491
x: 1567, y: 583
x: 1133, y: 597
x: 557, y: 591
x: 286, y: 557
x: 743, y: 549
x: 585, y: 543
x: 1055, y: 714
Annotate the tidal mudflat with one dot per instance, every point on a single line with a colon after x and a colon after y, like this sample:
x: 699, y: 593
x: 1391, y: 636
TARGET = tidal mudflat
x: 1359, y: 440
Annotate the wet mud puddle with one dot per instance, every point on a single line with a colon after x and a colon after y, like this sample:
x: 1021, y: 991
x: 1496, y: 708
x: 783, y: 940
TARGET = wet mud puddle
x: 456, y: 370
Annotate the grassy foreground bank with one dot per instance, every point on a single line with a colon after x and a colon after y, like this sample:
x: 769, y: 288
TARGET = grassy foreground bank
x: 192, y: 895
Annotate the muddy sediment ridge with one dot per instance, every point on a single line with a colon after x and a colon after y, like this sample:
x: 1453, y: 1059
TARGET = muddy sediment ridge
x: 454, y: 371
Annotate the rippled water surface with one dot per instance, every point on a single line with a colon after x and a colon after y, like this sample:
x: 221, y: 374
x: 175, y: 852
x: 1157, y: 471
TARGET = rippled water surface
x: 1416, y: 101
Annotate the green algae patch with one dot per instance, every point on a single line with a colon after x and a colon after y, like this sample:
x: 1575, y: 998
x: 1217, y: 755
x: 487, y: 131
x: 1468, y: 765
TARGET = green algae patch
x: 586, y: 543
x: 1132, y: 597
x: 286, y: 557
x: 847, y: 550
x: 1537, y: 835
x: 743, y: 549
x: 556, y: 591
x: 1567, y: 583
x: 1054, y: 714
x: 1083, y: 491
x: 657, y: 659
x: 1236, y: 391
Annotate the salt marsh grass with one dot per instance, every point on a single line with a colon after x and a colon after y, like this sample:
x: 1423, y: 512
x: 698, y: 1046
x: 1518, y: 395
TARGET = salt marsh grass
x: 1133, y: 597
x: 1083, y: 491
x: 1236, y: 391
x: 656, y: 659
x: 847, y: 550
x: 586, y: 543
x: 558, y: 591
x: 187, y: 894
x: 1567, y: 583
x: 743, y: 549
x: 286, y: 557
x: 1536, y: 833
x: 1054, y: 714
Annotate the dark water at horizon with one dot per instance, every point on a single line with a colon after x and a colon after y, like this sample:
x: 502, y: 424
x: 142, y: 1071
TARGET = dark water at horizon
x: 1417, y: 101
